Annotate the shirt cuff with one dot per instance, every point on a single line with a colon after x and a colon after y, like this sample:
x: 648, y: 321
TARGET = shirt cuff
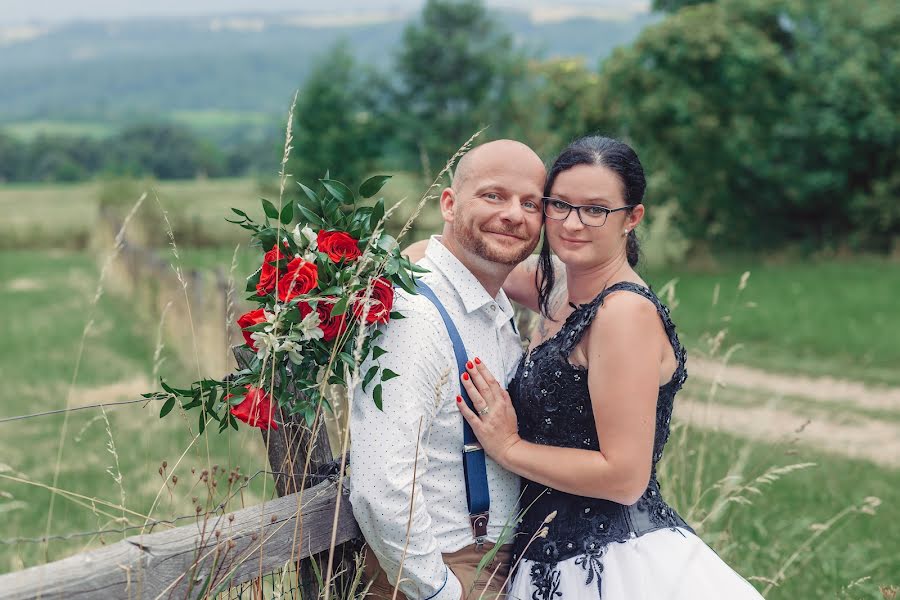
x: 452, y: 589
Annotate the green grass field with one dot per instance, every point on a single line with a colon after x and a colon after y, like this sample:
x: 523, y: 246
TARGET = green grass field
x: 837, y: 318
x: 48, y: 297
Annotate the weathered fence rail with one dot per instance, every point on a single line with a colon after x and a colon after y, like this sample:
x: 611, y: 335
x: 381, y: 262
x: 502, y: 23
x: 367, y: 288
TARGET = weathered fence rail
x: 194, y: 560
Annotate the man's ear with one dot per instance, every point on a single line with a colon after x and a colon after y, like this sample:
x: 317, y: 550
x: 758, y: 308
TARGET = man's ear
x: 448, y: 201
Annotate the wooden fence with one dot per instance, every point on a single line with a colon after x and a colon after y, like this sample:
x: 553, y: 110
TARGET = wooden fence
x: 195, y: 307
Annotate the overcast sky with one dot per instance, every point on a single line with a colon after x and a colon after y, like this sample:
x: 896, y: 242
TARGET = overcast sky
x: 22, y: 11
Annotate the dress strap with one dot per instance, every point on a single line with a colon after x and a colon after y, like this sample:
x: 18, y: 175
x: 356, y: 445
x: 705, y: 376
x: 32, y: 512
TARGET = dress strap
x: 584, y: 314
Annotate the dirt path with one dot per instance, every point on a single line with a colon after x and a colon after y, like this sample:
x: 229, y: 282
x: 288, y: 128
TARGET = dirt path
x: 826, y: 389
x: 862, y: 437
x: 877, y: 441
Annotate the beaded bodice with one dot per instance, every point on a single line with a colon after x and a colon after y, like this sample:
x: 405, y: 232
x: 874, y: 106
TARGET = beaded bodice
x: 553, y: 405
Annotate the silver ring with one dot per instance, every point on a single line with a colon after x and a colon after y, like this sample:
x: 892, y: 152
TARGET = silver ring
x: 484, y: 411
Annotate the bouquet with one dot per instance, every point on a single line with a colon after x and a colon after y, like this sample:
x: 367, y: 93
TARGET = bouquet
x: 320, y: 293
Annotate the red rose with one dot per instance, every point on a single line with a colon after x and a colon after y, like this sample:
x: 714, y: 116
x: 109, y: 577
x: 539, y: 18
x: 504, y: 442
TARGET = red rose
x: 256, y: 409
x: 251, y: 318
x: 269, y: 272
x: 381, y: 300
x: 338, y: 245
x: 331, y: 327
x: 300, y: 278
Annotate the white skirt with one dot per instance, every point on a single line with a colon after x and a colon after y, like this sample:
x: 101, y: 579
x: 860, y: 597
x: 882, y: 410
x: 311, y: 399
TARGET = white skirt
x: 661, y: 565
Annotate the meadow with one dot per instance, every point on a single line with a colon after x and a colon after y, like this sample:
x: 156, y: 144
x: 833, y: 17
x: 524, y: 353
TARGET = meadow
x: 828, y: 530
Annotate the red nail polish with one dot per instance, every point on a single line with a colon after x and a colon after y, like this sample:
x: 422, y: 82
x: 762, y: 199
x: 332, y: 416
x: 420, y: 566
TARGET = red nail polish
x: 459, y: 399
x: 469, y: 365
x: 477, y: 361
x: 465, y: 376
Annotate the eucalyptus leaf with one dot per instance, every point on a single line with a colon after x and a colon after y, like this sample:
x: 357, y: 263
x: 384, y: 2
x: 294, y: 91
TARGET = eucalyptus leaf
x: 269, y: 209
x: 340, y: 307
x: 376, y: 396
x: 370, y: 375
x: 309, y: 194
x: 167, y: 407
x: 376, y: 216
x: 287, y: 213
x: 340, y: 191
x: 372, y: 185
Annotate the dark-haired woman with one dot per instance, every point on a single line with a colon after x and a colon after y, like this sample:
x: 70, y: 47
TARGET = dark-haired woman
x: 587, y: 416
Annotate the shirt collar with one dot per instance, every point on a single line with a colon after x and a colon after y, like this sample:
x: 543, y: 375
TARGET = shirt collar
x: 466, y: 285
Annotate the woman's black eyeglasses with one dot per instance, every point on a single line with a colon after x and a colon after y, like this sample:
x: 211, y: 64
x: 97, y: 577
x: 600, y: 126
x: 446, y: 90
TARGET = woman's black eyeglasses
x: 590, y: 215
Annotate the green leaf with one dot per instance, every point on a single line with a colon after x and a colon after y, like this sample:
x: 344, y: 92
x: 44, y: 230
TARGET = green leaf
x: 370, y: 375
x: 378, y: 352
x: 340, y: 191
x: 269, y: 209
x: 239, y: 213
x: 372, y: 185
x: 267, y: 237
x: 201, y: 423
x: 376, y: 396
x: 340, y: 307
x: 406, y: 281
x: 311, y: 217
x: 386, y: 242
x: 167, y: 407
x: 309, y: 194
x: 387, y: 374
x: 287, y: 213
x: 377, y: 215
x: 395, y: 315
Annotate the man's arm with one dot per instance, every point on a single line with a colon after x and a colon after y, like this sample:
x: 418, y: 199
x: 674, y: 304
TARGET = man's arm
x: 383, y: 458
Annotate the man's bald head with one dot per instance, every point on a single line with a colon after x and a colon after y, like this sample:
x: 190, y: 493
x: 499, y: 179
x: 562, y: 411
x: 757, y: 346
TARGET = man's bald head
x: 485, y: 156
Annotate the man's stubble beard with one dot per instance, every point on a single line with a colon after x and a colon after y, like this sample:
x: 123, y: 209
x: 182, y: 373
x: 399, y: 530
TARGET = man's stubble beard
x: 468, y: 239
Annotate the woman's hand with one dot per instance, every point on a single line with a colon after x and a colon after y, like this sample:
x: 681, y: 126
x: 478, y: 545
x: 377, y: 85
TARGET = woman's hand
x: 494, y: 420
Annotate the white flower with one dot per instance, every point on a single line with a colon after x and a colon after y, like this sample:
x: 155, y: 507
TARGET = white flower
x: 265, y: 341
x: 292, y: 348
x: 308, y: 328
x: 305, y: 238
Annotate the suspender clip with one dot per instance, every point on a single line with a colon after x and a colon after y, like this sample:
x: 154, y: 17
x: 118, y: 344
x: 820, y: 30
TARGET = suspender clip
x: 479, y: 527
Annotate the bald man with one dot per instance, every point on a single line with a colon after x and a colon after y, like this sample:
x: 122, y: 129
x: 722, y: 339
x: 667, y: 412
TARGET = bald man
x: 407, y: 487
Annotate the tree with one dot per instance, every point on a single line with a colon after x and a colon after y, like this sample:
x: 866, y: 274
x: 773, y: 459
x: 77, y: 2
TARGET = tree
x: 333, y: 122
x: 770, y: 121
x: 555, y: 104
x: 455, y: 71
x: 164, y: 151
x: 671, y: 6
x: 12, y: 153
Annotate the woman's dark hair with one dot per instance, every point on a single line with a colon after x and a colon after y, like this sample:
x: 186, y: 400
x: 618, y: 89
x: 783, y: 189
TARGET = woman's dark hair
x: 601, y: 151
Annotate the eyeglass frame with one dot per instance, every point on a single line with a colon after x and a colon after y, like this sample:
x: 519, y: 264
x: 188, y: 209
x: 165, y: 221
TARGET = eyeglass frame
x: 545, y: 201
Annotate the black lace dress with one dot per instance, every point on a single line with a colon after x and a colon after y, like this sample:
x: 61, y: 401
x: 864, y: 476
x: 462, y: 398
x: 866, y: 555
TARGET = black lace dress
x: 575, y: 558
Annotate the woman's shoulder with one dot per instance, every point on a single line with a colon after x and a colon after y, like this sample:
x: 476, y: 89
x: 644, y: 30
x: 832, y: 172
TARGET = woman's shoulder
x: 626, y: 306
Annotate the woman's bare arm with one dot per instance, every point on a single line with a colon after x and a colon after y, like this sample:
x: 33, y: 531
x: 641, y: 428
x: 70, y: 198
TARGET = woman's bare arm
x: 623, y: 379
x: 415, y: 251
x: 521, y: 284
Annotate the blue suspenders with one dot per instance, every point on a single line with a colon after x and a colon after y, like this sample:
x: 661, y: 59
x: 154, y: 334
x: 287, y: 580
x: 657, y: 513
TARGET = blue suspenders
x: 477, y: 493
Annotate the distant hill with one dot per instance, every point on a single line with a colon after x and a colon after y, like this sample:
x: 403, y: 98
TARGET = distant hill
x: 115, y: 71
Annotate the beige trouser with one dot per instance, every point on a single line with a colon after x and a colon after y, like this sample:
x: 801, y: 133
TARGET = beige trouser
x: 486, y: 585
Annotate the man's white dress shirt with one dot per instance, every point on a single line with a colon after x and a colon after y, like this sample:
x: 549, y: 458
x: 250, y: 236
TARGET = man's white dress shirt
x: 419, y: 406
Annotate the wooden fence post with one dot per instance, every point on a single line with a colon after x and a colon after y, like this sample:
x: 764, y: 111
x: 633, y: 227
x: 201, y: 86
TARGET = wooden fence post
x: 288, y: 449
